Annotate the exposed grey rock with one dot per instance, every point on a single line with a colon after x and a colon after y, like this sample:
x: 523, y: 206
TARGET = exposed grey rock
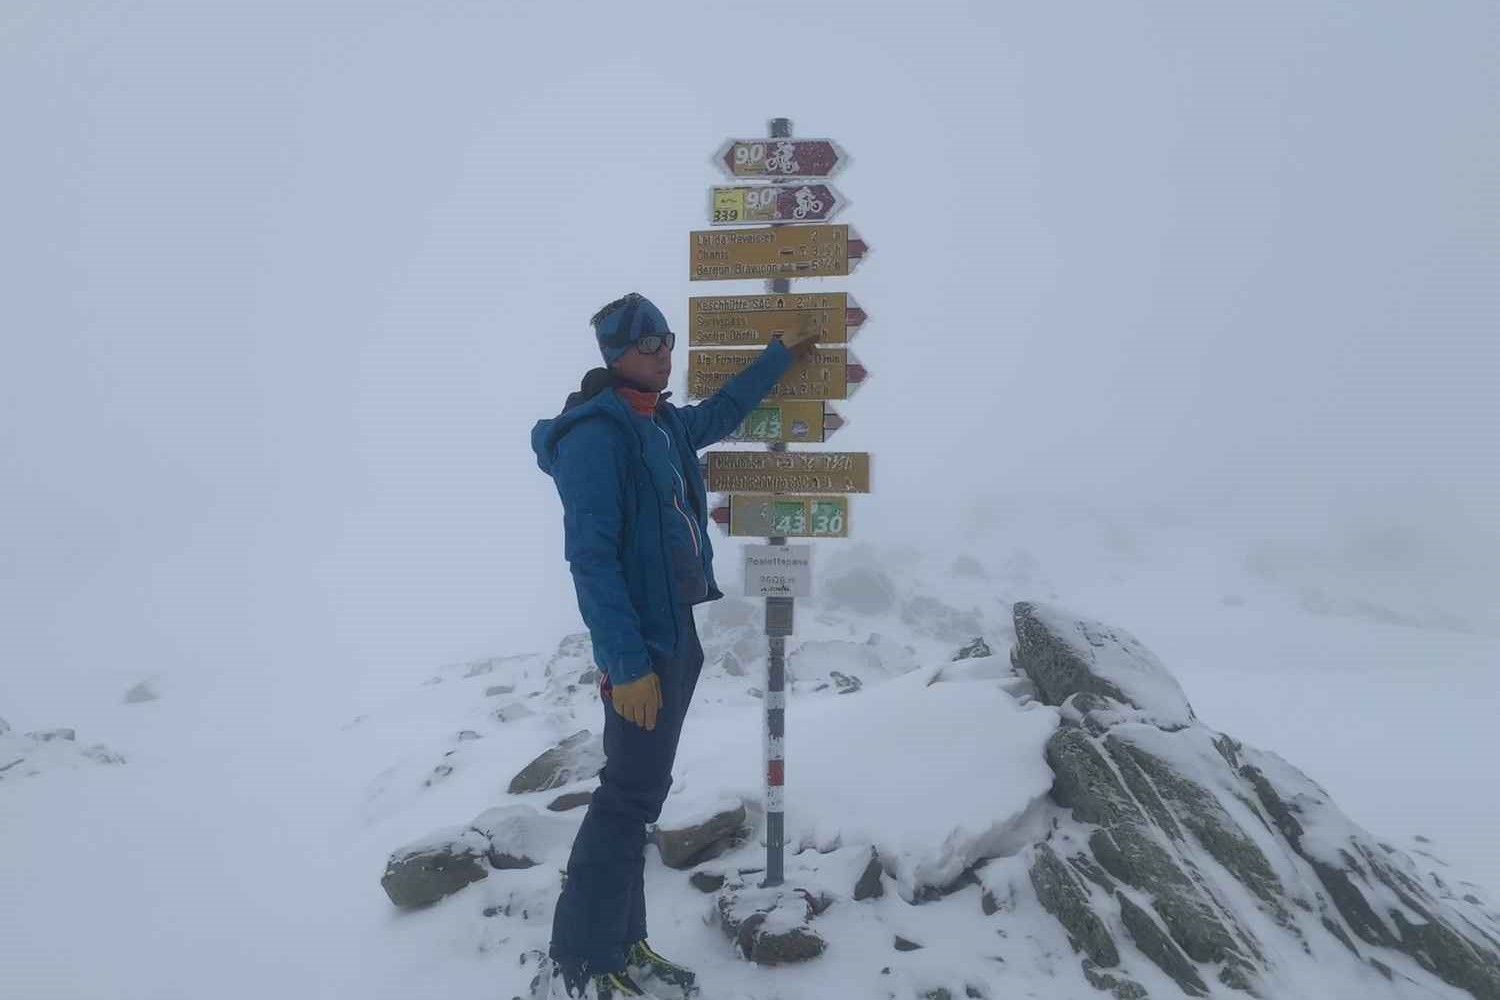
x: 466, y: 736
x: 845, y: 683
x: 570, y: 800
x: 686, y: 846
x: 440, y: 864
x: 1122, y: 988
x: 1152, y: 779
x: 1159, y: 947
x: 49, y: 735
x: 709, y: 882
x: 141, y: 692
x: 870, y: 885
x: 905, y: 944
x: 1067, y: 899
x: 498, y: 689
x: 577, y: 758
x: 4, y: 727
x: 972, y: 650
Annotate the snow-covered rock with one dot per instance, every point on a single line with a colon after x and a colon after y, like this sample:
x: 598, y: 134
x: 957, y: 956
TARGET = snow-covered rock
x: 686, y: 840
x: 1216, y: 862
x: 579, y: 757
x: 1066, y: 655
x: 447, y: 860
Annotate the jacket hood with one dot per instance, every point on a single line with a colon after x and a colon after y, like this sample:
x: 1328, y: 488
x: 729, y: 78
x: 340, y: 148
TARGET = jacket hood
x: 592, y: 399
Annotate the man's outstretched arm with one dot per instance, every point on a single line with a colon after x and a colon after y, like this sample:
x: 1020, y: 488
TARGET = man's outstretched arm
x: 717, y: 416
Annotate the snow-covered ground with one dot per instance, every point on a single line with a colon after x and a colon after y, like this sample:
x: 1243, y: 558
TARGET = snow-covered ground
x: 236, y: 850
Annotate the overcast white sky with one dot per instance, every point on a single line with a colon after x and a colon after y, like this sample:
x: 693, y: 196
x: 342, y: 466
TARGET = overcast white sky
x: 286, y: 285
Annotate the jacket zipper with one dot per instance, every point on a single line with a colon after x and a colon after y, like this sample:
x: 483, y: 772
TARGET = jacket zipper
x: 672, y: 464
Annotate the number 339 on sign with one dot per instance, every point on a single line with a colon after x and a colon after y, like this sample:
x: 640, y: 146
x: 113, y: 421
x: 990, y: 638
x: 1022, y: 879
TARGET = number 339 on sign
x: 729, y: 205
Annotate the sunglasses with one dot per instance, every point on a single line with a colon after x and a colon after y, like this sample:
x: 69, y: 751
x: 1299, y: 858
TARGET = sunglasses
x: 653, y: 342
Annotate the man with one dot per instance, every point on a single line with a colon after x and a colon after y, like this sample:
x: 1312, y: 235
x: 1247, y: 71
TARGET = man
x: 625, y: 462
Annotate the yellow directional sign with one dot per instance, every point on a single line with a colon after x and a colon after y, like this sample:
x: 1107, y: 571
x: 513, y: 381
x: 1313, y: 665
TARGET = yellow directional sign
x: 822, y: 374
x: 760, y: 516
x: 771, y: 252
x: 789, y: 471
x: 753, y: 320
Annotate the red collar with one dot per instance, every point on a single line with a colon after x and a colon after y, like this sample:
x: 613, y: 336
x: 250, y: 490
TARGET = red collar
x: 641, y: 402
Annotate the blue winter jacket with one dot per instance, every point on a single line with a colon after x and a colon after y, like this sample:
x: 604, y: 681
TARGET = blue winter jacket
x: 616, y: 496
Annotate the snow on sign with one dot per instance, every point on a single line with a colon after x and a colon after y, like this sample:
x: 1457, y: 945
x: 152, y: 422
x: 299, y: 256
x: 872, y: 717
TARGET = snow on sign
x: 778, y: 570
x: 780, y: 158
x: 732, y: 206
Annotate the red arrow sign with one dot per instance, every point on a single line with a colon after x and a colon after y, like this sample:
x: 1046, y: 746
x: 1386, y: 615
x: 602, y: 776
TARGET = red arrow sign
x: 781, y: 158
x: 854, y: 316
x: 855, y: 372
x: 831, y: 422
x: 857, y: 248
x: 720, y: 515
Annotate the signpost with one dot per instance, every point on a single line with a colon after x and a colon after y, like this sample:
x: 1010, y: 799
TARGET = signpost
x: 731, y: 206
x: 780, y: 157
x: 809, y: 421
x: 825, y: 373
x: 784, y: 516
x: 753, y: 320
x: 775, y: 252
x: 789, y: 472
x: 778, y: 570
x: 779, y: 494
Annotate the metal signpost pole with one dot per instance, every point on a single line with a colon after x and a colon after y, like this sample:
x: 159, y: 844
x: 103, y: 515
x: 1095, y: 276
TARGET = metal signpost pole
x: 778, y: 188
x: 778, y: 627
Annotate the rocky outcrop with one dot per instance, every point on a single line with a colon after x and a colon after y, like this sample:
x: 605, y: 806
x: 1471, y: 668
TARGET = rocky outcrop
x: 1175, y: 826
x: 771, y: 926
x: 443, y: 862
x: 684, y: 844
x: 580, y: 757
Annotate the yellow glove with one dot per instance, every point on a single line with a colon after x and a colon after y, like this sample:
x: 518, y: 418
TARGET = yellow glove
x: 638, y: 701
x: 802, y: 341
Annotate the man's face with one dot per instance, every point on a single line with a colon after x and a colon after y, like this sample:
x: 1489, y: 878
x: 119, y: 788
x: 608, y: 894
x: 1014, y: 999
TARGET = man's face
x: 649, y: 371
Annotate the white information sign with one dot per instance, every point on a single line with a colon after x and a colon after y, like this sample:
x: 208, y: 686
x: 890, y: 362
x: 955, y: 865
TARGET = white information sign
x: 778, y: 571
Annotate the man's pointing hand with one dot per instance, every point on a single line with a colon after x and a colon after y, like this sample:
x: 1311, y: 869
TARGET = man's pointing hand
x: 638, y: 701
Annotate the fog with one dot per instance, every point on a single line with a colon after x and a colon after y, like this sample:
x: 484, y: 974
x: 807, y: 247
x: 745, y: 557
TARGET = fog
x: 286, y: 286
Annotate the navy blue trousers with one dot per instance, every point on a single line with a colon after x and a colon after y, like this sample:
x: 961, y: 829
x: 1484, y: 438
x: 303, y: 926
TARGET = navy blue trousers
x: 602, y: 908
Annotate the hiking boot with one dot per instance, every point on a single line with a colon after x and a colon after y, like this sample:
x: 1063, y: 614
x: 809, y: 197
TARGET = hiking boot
x: 609, y: 986
x: 664, y: 978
